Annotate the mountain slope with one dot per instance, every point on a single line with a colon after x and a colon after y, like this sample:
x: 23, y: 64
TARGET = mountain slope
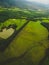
x: 22, y: 4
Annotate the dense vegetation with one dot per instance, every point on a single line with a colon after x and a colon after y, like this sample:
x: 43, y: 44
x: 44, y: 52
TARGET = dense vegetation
x: 30, y: 45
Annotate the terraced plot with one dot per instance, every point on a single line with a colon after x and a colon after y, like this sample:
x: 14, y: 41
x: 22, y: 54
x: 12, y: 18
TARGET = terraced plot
x: 29, y: 44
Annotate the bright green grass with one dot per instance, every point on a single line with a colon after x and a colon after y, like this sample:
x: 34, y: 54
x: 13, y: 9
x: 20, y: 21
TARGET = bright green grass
x: 33, y: 35
x: 47, y: 21
x: 14, y: 9
x: 18, y: 22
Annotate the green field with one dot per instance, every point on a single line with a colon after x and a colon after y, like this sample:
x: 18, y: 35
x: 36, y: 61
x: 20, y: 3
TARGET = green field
x: 29, y: 46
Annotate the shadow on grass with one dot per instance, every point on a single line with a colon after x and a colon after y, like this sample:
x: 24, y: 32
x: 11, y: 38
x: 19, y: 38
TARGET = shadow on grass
x: 23, y: 59
x: 45, y: 57
x: 15, y: 61
x: 46, y: 25
x: 6, y: 42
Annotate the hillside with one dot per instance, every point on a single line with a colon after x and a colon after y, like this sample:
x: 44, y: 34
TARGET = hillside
x: 24, y: 33
x: 22, y: 4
